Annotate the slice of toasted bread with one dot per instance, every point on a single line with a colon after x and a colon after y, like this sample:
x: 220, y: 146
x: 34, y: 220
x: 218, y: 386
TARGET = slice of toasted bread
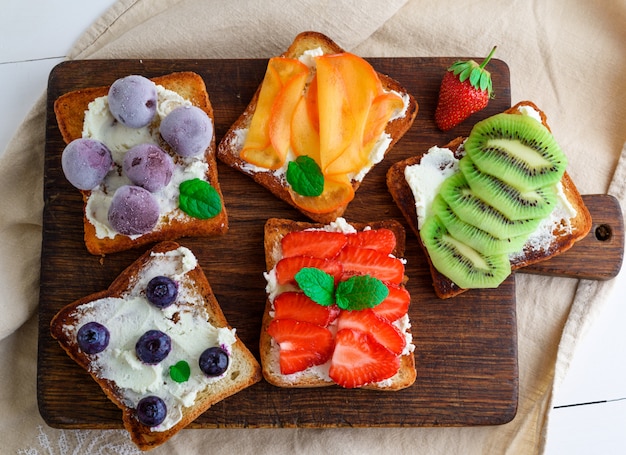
x: 194, y: 322
x: 275, y: 230
x: 70, y: 110
x: 561, y: 239
x: 231, y: 144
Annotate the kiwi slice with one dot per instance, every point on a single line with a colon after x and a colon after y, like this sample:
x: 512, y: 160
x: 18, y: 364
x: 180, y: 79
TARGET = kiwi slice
x: 472, y: 236
x: 462, y: 264
x: 517, y: 149
x: 473, y: 210
x: 513, y: 203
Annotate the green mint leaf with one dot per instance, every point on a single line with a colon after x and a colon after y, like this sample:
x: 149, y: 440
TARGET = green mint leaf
x: 180, y: 372
x: 360, y: 292
x: 317, y: 285
x: 305, y: 176
x: 199, y: 199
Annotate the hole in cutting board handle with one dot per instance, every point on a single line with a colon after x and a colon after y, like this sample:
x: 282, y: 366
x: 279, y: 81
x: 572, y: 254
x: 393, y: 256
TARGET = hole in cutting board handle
x: 603, y: 232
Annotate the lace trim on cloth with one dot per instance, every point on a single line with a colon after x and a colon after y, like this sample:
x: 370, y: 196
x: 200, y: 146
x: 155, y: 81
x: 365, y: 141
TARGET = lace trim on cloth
x: 95, y: 442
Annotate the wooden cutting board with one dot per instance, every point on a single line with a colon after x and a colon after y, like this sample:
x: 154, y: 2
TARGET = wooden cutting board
x: 466, y: 347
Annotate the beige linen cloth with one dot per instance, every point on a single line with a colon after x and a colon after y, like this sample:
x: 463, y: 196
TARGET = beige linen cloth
x: 567, y: 56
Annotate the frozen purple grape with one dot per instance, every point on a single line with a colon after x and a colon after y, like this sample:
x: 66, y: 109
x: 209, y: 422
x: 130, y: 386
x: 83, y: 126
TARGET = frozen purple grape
x: 213, y: 361
x: 148, y: 166
x: 86, y: 162
x: 161, y: 291
x: 133, y: 101
x: 133, y: 210
x: 92, y: 337
x: 153, y: 346
x: 151, y: 411
x: 188, y: 130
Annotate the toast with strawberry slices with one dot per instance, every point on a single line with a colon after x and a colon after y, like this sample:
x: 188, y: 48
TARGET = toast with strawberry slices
x: 307, y: 137
x: 309, y: 338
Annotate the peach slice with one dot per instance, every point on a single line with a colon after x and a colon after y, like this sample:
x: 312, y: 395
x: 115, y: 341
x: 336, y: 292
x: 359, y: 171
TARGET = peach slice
x: 380, y: 112
x: 305, y: 138
x: 282, y: 112
x: 347, y: 86
x: 337, y: 192
x: 257, y: 148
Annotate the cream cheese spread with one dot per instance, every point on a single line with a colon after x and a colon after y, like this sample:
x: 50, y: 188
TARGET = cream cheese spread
x: 131, y: 315
x: 273, y: 289
x: 437, y: 164
x: 99, y: 124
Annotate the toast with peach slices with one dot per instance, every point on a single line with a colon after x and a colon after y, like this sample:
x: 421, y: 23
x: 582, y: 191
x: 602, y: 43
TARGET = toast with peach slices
x: 568, y: 222
x: 321, y: 335
x: 319, y: 121
x: 181, y: 88
x: 102, y: 333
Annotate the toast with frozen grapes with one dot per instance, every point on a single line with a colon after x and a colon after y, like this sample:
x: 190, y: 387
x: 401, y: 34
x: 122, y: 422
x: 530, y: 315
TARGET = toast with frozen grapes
x: 142, y: 153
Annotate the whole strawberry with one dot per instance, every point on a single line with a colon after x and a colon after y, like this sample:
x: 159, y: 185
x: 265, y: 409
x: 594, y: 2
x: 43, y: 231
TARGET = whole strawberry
x: 466, y: 88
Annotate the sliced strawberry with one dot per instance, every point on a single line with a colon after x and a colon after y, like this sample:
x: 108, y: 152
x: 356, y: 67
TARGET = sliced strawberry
x: 395, y: 305
x: 380, y: 329
x: 296, y: 305
x: 301, y: 344
x: 287, y: 268
x: 383, y: 240
x: 319, y: 244
x: 364, y: 261
x: 359, y: 360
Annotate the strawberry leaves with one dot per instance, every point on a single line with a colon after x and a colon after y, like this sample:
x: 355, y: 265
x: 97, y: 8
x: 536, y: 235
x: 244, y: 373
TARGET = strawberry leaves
x: 355, y: 293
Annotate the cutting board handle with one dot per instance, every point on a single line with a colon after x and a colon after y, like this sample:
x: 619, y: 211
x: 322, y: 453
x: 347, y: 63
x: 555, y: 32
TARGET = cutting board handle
x: 599, y: 255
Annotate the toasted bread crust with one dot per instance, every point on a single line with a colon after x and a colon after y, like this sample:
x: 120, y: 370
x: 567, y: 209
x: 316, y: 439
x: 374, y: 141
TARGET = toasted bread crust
x: 275, y: 230
x: 229, y: 148
x: 242, y: 360
x: 562, y: 241
x: 70, y: 113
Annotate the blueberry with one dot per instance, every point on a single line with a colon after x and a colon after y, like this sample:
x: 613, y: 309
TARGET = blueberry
x: 93, y: 338
x: 161, y: 291
x: 213, y: 361
x: 153, y: 347
x: 151, y: 411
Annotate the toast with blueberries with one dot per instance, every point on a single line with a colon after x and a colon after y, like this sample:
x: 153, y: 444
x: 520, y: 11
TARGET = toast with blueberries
x: 142, y: 153
x: 158, y: 344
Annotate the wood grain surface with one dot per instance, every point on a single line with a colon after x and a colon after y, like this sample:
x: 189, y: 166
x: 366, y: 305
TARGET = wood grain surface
x: 599, y: 255
x: 466, y: 347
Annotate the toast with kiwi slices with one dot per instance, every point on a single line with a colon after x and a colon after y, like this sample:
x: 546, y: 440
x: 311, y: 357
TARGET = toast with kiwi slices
x: 320, y: 120
x: 491, y: 203
x: 156, y: 181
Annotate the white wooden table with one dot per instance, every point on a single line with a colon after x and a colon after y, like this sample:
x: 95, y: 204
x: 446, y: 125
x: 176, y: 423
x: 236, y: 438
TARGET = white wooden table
x: 590, y: 407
